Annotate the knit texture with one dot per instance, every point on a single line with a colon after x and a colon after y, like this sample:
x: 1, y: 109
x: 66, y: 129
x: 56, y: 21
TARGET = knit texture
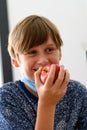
x: 18, y: 108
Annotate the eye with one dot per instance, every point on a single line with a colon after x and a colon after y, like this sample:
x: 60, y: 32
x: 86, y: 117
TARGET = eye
x: 32, y: 52
x: 49, y: 50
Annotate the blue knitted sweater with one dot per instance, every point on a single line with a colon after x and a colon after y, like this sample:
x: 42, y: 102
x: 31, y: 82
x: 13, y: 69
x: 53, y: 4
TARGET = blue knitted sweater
x: 18, y: 108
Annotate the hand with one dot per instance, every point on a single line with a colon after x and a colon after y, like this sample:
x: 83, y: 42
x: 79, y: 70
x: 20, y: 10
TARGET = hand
x: 50, y: 93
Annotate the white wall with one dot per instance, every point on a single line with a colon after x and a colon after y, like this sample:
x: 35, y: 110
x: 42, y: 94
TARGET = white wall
x: 71, y: 18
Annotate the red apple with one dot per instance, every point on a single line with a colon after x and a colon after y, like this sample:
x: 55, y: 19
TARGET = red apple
x: 45, y: 71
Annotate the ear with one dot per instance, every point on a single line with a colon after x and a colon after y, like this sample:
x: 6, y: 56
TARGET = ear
x: 14, y: 62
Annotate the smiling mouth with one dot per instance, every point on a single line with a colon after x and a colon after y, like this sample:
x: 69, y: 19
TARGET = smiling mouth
x: 35, y: 69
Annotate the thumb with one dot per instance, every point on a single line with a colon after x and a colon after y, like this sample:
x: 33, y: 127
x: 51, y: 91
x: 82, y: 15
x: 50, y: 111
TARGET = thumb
x: 37, y: 78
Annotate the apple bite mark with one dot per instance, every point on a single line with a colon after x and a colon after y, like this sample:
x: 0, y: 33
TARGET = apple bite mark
x: 45, y: 72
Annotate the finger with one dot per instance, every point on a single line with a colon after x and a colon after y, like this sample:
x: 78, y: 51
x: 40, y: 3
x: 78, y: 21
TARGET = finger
x: 50, y: 78
x: 37, y: 77
x: 66, y: 80
x: 60, y: 77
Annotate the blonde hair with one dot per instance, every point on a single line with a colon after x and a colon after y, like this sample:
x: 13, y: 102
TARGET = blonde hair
x: 30, y: 32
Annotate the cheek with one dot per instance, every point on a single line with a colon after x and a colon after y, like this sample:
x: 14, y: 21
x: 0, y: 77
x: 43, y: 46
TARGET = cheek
x: 28, y: 68
x: 25, y: 66
x: 55, y: 59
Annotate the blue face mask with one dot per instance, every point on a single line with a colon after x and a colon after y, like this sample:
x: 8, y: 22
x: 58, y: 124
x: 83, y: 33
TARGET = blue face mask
x: 29, y: 83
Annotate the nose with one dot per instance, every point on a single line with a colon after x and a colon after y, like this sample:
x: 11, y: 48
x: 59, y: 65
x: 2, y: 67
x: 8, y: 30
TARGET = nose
x: 43, y: 60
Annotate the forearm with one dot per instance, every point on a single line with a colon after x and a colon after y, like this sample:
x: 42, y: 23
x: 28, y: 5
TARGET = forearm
x: 45, y: 117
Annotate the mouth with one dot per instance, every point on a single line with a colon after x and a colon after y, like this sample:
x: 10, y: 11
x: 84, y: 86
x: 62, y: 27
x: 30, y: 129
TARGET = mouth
x: 35, y: 69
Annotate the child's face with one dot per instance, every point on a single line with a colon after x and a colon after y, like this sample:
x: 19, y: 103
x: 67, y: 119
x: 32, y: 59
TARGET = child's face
x: 39, y: 56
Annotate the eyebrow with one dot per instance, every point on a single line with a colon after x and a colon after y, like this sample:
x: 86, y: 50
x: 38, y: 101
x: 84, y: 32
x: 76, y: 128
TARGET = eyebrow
x: 51, y: 44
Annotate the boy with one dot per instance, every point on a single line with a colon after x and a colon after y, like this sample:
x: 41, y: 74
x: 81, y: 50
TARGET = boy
x: 28, y: 104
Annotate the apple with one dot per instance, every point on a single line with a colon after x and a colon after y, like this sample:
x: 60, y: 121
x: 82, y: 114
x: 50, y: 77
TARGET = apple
x: 45, y: 71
